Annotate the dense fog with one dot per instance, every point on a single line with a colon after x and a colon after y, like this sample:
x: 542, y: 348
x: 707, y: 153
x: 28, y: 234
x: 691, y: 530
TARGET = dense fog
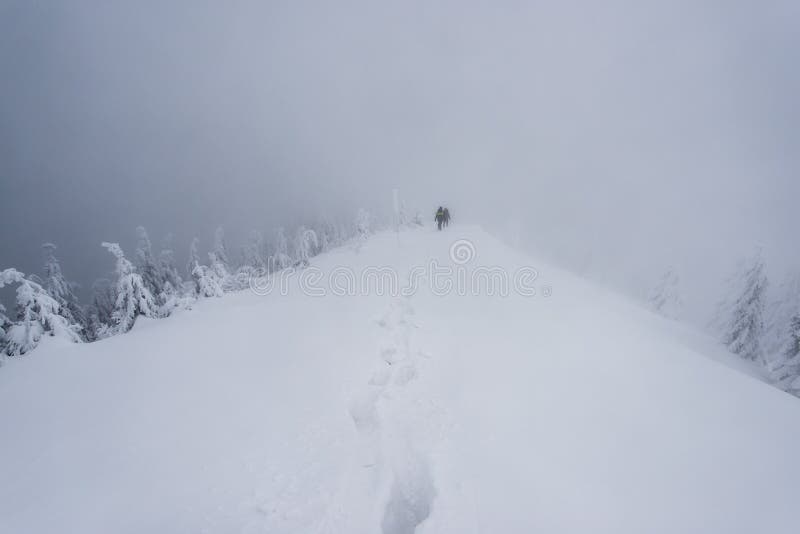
x: 615, y: 138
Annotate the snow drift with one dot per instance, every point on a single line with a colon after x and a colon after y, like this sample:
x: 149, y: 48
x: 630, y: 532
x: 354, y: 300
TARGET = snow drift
x: 569, y: 410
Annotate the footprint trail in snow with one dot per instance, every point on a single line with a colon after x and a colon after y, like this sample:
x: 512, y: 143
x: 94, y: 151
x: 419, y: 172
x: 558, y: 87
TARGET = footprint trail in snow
x: 388, y: 420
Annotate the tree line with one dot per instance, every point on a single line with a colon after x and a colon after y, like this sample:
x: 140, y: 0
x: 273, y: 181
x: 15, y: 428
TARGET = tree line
x: 759, y: 325
x: 151, y: 284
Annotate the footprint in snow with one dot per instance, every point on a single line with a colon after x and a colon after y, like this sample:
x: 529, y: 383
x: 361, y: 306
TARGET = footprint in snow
x: 390, y: 354
x: 404, y: 375
x: 411, y: 497
x: 363, y: 410
x: 381, y: 376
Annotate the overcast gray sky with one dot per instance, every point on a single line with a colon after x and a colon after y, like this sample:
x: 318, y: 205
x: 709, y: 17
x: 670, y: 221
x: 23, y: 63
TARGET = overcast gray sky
x: 617, y: 137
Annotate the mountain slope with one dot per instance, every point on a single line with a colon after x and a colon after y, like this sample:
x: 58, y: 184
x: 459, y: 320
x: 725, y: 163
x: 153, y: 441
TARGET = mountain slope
x: 281, y: 413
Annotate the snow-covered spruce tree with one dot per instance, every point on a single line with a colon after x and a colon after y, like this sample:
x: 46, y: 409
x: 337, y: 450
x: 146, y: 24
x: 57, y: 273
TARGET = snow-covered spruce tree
x: 363, y: 224
x: 324, y: 230
x: 745, y: 325
x: 787, y: 375
x: 280, y: 258
x: 61, y: 290
x: 781, y: 309
x: 37, y: 315
x: 332, y: 233
x: 665, y: 297
x: 101, y: 309
x: 206, y: 282
x: 793, y: 348
x: 166, y: 264
x: 402, y: 215
x: 253, y: 252
x: 253, y: 264
x: 133, y: 298
x: 227, y: 281
x: 194, y: 257
x: 324, y: 237
x: 305, y: 245
x: 146, y: 264
x: 173, y: 294
x: 345, y: 231
x: 5, y: 324
x: 219, y: 254
x: 341, y: 232
x: 220, y: 265
x: 174, y: 298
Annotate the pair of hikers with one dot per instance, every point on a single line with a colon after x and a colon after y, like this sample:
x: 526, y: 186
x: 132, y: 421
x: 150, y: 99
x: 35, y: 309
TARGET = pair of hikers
x: 442, y: 217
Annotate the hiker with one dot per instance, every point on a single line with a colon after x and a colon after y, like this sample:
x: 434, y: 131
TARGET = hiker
x: 446, y: 217
x: 439, y: 217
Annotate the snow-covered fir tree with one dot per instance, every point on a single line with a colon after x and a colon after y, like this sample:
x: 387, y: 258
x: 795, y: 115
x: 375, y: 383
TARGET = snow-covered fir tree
x: 61, y: 290
x: 146, y: 264
x: 781, y: 309
x: 793, y: 348
x: 253, y: 252
x: 101, y: 310
x: 37, y: 315
x: 172, y: 294
x: 402, y: 214
x: 280, y: 258
x: 339, y: 233
x: 5, y: 324
x: 172, y: 299
x: 665, y: 297
x: 219, y: 254
x: 206, y: 282
x: 194, y: 257
x: 305, y: 245
x: 220, y: 265
x: 325, y: 231
x: 324, y: 236
x: 166, y: 264
x: 227, y: 280
x: 363, y: 224
x: 787, y: 374
x: 133, y: 298
x: 745, y: 324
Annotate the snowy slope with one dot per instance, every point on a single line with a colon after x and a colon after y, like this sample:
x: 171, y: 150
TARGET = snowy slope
x: 574, y: 412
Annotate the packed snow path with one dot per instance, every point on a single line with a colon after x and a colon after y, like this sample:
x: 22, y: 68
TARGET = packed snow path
x: 572, y: 410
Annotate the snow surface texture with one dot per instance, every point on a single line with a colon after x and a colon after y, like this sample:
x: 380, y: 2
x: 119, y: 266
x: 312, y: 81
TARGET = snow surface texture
x: 578, y: 412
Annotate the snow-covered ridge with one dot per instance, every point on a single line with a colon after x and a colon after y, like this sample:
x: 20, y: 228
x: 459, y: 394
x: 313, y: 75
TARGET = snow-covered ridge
x: 569, y: 410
